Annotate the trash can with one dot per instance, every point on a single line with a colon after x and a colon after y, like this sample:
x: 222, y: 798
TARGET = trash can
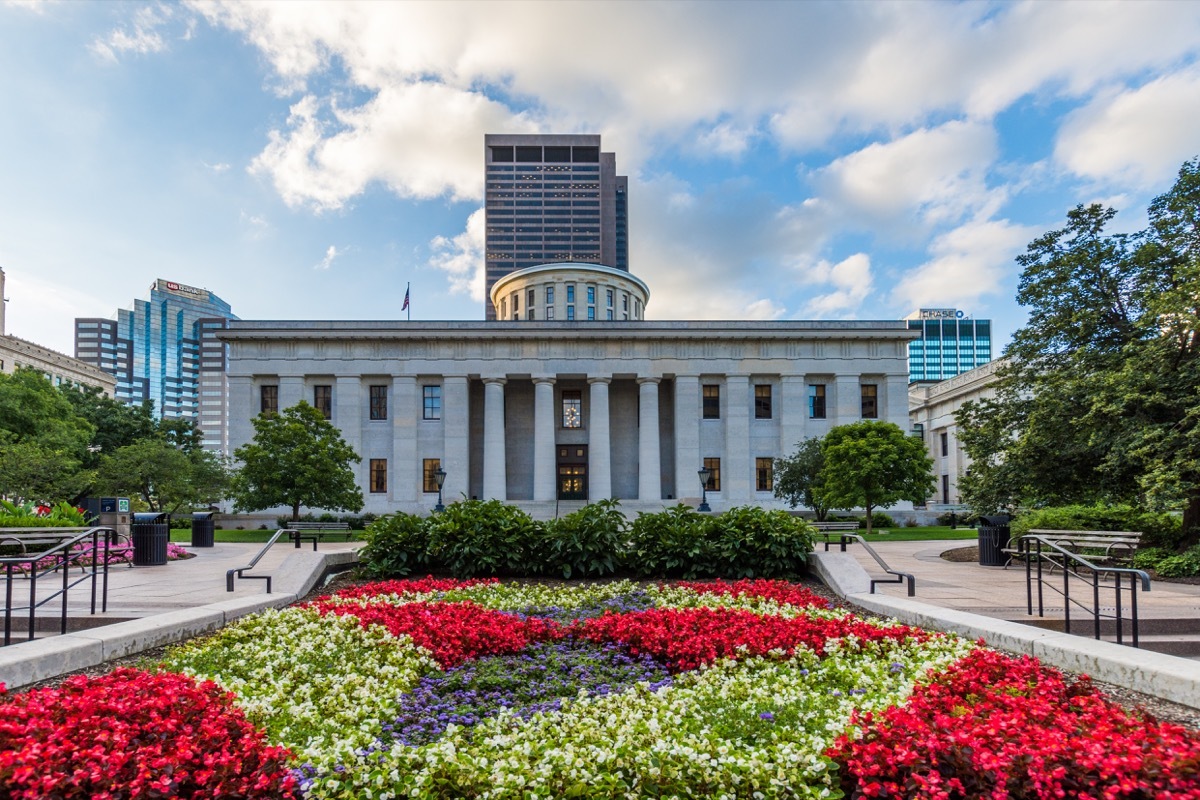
x: 993, y: 537
x: 203, y: 529
x: 150, y: 535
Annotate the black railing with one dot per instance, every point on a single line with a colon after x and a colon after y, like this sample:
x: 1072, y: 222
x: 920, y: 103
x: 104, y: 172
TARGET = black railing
x: 1078, y: 569
x: 239, y: 572
x: 60, y: 555
x: 897, y: 577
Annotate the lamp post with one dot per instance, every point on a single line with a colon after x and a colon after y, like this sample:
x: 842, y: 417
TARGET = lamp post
x: 439, y: 476
x: 705, y: 473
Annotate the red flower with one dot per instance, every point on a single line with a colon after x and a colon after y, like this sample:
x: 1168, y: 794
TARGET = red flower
x: 408, y: 586
x: 779, y: 591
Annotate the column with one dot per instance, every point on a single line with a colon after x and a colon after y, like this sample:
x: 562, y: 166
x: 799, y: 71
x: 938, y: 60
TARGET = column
x: 687, y: 436
x: 735, y: 466
x: 347, y: 417
x: 793, y: 413
x: 543, y: 440
x: 404, y: 471
x: 649, y: 468
x: 456, y: 460
x: 495, y: 478
x: 849, y: 400
x: 243, y: 407
x: 599, y: 446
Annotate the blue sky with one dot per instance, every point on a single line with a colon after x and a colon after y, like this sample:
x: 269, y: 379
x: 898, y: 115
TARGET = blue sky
x: 786, y: 160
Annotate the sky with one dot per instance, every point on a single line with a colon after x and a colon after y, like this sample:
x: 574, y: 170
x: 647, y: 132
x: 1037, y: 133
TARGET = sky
x: 786, y: 160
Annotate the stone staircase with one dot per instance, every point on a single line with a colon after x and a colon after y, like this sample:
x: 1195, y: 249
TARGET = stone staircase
x: 1172, y: 636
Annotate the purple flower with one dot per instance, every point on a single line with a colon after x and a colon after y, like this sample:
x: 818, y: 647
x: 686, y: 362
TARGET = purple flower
x: 767, y: 715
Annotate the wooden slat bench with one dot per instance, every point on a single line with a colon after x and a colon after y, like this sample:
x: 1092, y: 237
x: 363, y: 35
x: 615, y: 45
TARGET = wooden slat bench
x: 31, y: 541
x: 1102, y: 547
x: 315, y: 531
x: 827, y: 530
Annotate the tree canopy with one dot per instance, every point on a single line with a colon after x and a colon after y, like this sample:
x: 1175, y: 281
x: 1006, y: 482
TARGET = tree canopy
x: 162, y: 475
x: 798, y: 477
x: 873, y: 464
x: 1100, y: 398
x: 297, y: 458
x: 43, y: 442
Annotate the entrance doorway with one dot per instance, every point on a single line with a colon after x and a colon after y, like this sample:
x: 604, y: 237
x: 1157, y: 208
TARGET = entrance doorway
x: 572, y: 472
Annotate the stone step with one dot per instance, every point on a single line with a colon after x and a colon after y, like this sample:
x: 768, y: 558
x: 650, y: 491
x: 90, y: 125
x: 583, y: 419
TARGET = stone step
x: 1084, y: 626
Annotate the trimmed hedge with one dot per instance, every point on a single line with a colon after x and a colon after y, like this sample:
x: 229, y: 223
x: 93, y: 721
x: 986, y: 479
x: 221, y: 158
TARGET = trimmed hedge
x: 473, y: 537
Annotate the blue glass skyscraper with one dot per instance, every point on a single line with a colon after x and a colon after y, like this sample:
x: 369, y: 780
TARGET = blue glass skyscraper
x: 165, y: 350
x: 951, y: 343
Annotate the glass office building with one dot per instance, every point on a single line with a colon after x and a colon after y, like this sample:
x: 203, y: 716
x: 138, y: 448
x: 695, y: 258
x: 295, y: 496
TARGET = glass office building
x: 165, y: 350
x: 951, y: 343
x: 552, y: 199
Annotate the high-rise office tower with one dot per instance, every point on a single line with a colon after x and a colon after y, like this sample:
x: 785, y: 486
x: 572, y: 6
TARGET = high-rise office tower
x: 951, y: 343
x: 552, y: 198
x: 165, y: 350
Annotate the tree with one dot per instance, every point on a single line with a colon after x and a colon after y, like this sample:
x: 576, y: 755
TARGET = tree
x: 798, y: 477
x: 873, y: 464
x: 116, y: 424
x: 164, y: 476
x: 42, y: 440
x: 297, y: 458
x: 1100, y: 401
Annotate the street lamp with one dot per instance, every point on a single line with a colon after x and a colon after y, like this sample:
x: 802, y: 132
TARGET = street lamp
x: 705, y: 473
x: 439, y: 477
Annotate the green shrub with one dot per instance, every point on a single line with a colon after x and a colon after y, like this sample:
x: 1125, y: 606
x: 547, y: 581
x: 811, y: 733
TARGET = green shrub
x: 751, y: 542
x: 1158, y: 530
x: 1148, y: 557
x: 589, y: 541
x: 911, y: 522
x: 675, y: 542
x: 63, y: 515
x: 477, y: 537
x: 1180, y: 565
x: 396, y: 545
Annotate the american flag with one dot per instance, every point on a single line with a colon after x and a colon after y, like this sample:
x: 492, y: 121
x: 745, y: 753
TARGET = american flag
x: 403, y: 307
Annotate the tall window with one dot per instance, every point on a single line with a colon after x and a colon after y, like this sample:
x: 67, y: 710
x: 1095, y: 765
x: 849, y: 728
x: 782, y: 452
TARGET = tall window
x: 591, y: 312
x: 378, y: 402
x: 591, y: 295
x: 570, y: 312
x: 762, y: 401
x: 711, y: 400
x: 323, y: 400
x: 378, y: 475
x: 608, y: 296
x: 870, y: 401
x: 946, y: 489
x: 570, y: 293
x: 530, y: 300
x: 816, y: 401
x: 572, y: 410
x: 945, y: 444
x: 428, y: 482
x: 713, y: 465
x: 549, y: 295
x: 764, y: 474
x: 268, y: 399
x: 432, y: 401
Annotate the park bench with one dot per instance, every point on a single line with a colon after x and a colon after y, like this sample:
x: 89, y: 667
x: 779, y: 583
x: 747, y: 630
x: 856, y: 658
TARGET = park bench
x: 315, y: 531
x: 31, y: 541
x: 835, y: 532
x: 1101, y: 547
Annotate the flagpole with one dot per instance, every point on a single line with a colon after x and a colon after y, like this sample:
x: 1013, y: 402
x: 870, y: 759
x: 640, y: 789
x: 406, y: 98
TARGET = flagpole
x: 407, y: 304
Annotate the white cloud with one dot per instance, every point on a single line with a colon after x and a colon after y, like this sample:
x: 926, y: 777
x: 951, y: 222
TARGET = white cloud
x: 1137, y: 137
x: 330, y: 254
x: 966, y: 264
x: 217, y: 168
x: 852, y: 282
x: 142, y: 39
x: 461, y: 257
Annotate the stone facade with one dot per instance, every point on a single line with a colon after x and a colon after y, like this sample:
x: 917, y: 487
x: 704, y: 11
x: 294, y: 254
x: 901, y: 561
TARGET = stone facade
x: 542, y: 413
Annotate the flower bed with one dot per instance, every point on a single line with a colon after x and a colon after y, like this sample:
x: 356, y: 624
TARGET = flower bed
x: 440, y: 689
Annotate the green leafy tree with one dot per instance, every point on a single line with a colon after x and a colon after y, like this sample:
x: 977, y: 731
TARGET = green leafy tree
x: 116, y: 424
x: 43, y: 441
x: 873, y: 464
x: 798, y: 477
x: 1100, y: 398
x: 164, y: 476
x: 297, y: 458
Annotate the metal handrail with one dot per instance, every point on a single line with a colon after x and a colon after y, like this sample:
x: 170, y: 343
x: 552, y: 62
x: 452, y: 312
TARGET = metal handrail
x: 1070, y: 563
x: 238, y: 572
x: 62, y: 556
x: 899, y: 577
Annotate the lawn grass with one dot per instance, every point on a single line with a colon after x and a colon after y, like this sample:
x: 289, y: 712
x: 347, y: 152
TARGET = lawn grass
x: 921, y: 534
x: 184, y: 536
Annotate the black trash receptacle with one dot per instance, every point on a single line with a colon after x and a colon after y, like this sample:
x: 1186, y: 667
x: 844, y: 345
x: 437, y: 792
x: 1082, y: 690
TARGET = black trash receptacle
x: 203, y: 529
x: 150, y: 533
x: 993, y: 537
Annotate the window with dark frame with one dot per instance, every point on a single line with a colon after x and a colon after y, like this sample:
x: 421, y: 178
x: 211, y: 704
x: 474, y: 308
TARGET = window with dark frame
x: 711, y: 401
x: 572, y: 409
x: 431, y: 402
x: 870, y: 401
x: 713, y: 465
x: 429, y: 467
x: 762, y: 401
x: 945, y: 444
x: 268, y: 399
x: 378, y: 401
x: 764, y: 474
x: 816, y: 401
x: 323, y: 400
x: 378, y: 475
